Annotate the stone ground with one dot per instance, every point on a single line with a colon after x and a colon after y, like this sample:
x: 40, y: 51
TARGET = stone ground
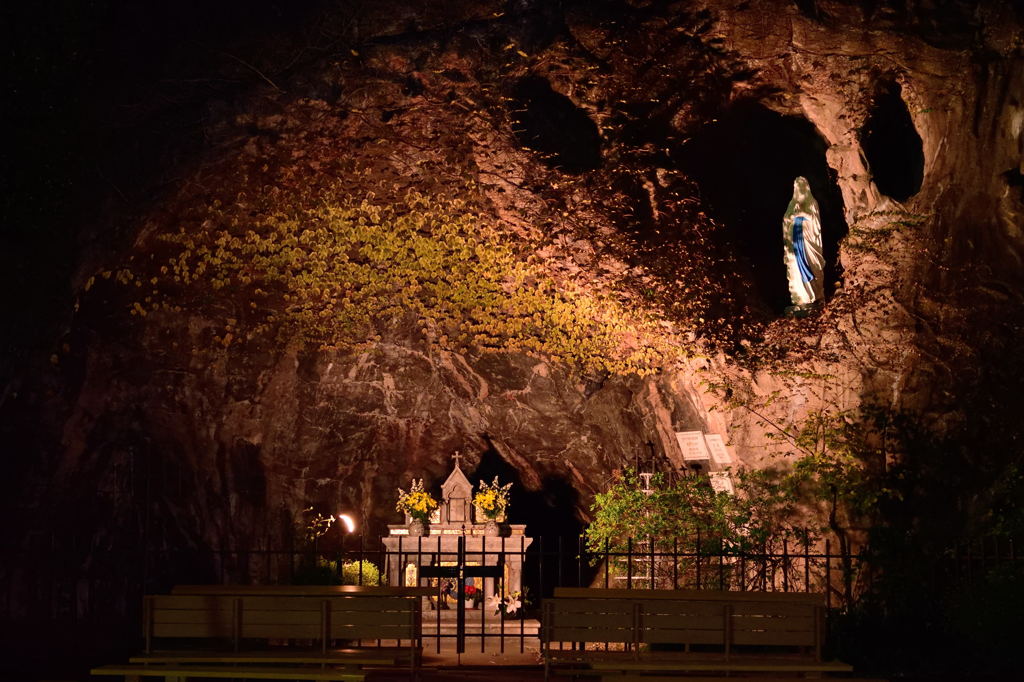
x: 491, y: 664
x: 491, y: 674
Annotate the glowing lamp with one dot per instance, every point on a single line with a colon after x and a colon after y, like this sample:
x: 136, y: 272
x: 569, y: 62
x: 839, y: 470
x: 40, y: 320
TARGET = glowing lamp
x: 350, y: 525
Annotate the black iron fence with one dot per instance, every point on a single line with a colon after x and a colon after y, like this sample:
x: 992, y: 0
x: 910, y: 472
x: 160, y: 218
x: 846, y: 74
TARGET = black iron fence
x: 104, y: 587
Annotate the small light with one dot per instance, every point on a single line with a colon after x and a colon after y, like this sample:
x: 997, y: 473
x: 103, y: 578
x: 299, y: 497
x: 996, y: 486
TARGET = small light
x: 350, y: 525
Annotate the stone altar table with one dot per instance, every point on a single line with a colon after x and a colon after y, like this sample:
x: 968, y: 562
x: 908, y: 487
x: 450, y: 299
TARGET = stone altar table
x: 456, y: 517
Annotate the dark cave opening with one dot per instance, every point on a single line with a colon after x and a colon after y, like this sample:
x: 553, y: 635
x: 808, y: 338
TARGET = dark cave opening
x: 892, y: 145
x: 1015, y: 178
x: 548, y: 122
x: 549, y: 511
x: 744, y: 163
x: 551, y: 520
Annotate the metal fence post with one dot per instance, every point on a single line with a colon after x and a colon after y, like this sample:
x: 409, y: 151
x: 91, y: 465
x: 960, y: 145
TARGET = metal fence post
x: 807, y: 562
x: 828, y: 573
x: 785, y: 565
x: 697, y: 558
x: 650, y: 542
x: 629, y: 563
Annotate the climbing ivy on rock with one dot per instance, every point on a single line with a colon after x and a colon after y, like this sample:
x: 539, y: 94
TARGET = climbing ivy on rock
x: 347, y: 272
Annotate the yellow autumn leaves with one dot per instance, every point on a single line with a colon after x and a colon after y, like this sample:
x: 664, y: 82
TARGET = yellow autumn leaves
x: 346, y: 272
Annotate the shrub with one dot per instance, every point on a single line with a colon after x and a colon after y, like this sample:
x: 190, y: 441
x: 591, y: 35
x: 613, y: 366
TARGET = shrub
x: 352, y: 570
x: 319, y: 572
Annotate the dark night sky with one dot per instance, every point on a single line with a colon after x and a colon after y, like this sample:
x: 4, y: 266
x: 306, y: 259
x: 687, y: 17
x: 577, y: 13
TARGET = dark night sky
x: 102, y: 101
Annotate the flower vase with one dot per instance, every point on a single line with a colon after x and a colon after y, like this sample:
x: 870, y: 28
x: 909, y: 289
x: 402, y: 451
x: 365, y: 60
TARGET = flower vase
x: 417, y: 528
x: 469, y: 604
x: 491, y: 528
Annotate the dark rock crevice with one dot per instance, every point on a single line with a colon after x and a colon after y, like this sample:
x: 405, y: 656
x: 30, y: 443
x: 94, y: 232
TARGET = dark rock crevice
x: 1015, y: 179
x: 892, y: 145
x: 548, y: 122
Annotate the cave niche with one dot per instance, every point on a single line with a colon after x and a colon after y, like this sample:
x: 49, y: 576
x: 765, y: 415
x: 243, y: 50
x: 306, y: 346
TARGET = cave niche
x: 1015, y: 179
x: 892, y: 144
x: 548, y: 122
x: 551, y: 510
x: 551, y: 515
x: 744, y: 163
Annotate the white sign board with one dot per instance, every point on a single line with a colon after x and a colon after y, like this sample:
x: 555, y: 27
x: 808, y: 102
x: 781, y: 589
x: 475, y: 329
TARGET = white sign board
x: 693, y: 446
x: 720, y: 482
x: 719, y: 454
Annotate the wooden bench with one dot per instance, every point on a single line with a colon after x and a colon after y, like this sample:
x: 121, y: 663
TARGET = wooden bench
x: 240, y: 621
x: 627, y: 632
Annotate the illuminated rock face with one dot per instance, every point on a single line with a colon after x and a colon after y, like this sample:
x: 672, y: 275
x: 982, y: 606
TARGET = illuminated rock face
x: 157, y: 428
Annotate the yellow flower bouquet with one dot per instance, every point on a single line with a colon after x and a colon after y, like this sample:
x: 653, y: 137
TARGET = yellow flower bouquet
x: 491, y: 500
x: 417, y: 503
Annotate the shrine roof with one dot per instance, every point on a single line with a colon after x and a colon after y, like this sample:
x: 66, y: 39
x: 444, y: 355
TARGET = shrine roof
x: 455, y: 480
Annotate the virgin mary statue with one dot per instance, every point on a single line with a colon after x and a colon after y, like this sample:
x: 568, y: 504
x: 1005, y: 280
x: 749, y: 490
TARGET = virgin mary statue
x: 805, y: 263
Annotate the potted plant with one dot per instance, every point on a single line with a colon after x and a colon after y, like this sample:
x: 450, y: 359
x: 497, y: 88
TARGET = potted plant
x: 418, y: 505
x: 491, y: 503
x: 470, y: 594
x: 510, y: 606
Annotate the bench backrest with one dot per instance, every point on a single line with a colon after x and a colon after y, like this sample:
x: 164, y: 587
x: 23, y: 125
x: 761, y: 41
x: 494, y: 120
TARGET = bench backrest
x: 590, y: 620
x: 813, y: 598
x: 281, y: 617
x: 776, y: 624
x: 726, y: 619
x: 664, y: 621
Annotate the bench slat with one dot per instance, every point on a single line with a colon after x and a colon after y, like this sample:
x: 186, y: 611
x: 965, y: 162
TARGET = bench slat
x: 182, y: 616
x: 257, y: 618
x: 369, y: 631
x: 723, y: 665
x: 649, y: 621
x: 354, y: 604
x: 304, y: 590
x: 773, y: 638
x: 683, y: 637
x: 351, y: 657
x: 774, y: 623
x: 168, y: 603
x: 381, y: 618
x: 773, y: 609
x: 622, y: 676
x: 812, y: 598
x: 622, y: 635
x: 707, y: 609
x: 595, y: 620
x: 229, y: 672
x: 592, y: 605
x: 194, y: 630
x: 189, y: 602
x: 281, y: 631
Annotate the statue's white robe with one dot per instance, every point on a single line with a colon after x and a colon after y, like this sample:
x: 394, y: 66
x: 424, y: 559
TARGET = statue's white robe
x: 803, y: 205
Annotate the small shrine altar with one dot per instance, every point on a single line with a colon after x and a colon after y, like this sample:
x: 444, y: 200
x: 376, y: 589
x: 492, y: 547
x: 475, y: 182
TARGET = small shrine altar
x: 455, y: 518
